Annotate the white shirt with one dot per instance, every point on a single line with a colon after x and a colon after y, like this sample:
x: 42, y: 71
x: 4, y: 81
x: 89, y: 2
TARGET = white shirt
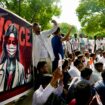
x: 37, y: 49
x: 75, y: 43
x: 43, y: 50
x: 96, y: 76
x: 77, y: 80
x: 99, y: 57
x: 102, y: 60
x: 74, y: 72
x: 68, y: 45
x: 92, y: 43
x: 41, y: 95
x: 99, y: 44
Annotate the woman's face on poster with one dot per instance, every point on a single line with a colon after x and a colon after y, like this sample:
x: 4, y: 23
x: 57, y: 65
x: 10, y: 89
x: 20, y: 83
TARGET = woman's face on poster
x: 11, y: 45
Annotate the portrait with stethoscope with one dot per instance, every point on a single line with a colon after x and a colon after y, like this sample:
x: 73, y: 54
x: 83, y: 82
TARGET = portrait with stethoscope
x: 11, y: 70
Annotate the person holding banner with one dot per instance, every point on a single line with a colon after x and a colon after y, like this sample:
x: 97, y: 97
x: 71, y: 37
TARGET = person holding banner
x: 41, y: 50
x: 11, y: 70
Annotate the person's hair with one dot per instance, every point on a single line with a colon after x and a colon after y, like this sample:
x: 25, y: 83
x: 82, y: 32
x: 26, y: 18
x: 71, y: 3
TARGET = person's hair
x: 77, y: 53
x: 86, y: 72
x: 35, y: 24
x: 41, y: 65
x: 80, y: 56
x: 103, y: 52
x: 86, y: 53
x: 77, y: 62
x: 65, y: 64
x: 98, y: 64
x: 62, y: 34
x: 95, y: 37
x: 75, y: 35
x: 46, y: 78
x: 103, y: 75
x: 92, y: 55
x: 10, y: 29
x: 57, y: 31
x: 70, y: 56
x: 83, y: 92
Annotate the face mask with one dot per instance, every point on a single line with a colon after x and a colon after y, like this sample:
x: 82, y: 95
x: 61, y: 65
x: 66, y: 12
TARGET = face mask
x: 11, y: 46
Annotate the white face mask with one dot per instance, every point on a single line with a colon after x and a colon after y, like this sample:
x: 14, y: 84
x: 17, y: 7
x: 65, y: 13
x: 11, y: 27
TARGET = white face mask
x: 11, y: 45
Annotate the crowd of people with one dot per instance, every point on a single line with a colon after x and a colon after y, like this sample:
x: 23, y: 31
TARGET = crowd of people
x: 68, y: 71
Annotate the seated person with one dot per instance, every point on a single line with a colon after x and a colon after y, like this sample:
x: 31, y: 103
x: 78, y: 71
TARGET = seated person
x: 48, y: 86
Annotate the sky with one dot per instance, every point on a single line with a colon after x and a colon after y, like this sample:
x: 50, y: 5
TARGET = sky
x: 68, y: 13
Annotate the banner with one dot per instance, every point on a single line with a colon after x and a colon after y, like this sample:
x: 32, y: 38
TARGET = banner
x: 15, y: 55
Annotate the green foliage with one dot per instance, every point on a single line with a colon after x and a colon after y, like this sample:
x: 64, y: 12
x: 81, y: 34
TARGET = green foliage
x: 65, y: 27
x: 101, y: 34
x: 40, y: 11
x: 91, y: 14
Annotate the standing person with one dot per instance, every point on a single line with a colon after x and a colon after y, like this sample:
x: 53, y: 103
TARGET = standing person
x: 57, y: 46
x: 69, y: 46
x: 11, y: 70
x: 82, y: 43
x: 41, y: 50
x: 92, y: 60
x: 75, y: 42
x: 102, y: 59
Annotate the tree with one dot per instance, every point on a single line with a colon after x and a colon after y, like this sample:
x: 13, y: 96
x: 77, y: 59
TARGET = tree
x: 40, y: 11
x: 65, y: 27
x: 91, y: 14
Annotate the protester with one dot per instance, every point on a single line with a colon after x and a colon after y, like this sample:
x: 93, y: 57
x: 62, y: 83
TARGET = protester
x: 42, y: 68
x: 82, y: 43
x: 96, y: 75
x: 41, y: 50
x: 75, y: 70
x: 75, y: 42
x: 83, y: 94
x: 100, y: 87
x: 77, y: 52
x: 57, y: 46
x: 82, y: 59
x: 87, y: 58
x: 92, y: 60
x: 103, y: 59
x: 85, y: 76
x: 80, y: 69
x: 66, y: 76
x: 48, y: 86
x: 69, y: 48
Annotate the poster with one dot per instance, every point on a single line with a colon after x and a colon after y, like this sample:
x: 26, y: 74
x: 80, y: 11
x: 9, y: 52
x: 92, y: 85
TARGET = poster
x: 15, y: 55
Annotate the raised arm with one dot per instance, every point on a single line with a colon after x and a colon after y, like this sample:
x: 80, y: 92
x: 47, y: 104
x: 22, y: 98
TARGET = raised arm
x: 51, y: 31
x: 41, y: 97
x: 67, y: 35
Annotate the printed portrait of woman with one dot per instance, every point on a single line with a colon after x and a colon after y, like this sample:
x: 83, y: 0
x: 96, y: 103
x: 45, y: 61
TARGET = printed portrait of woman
x: 11, y: 70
